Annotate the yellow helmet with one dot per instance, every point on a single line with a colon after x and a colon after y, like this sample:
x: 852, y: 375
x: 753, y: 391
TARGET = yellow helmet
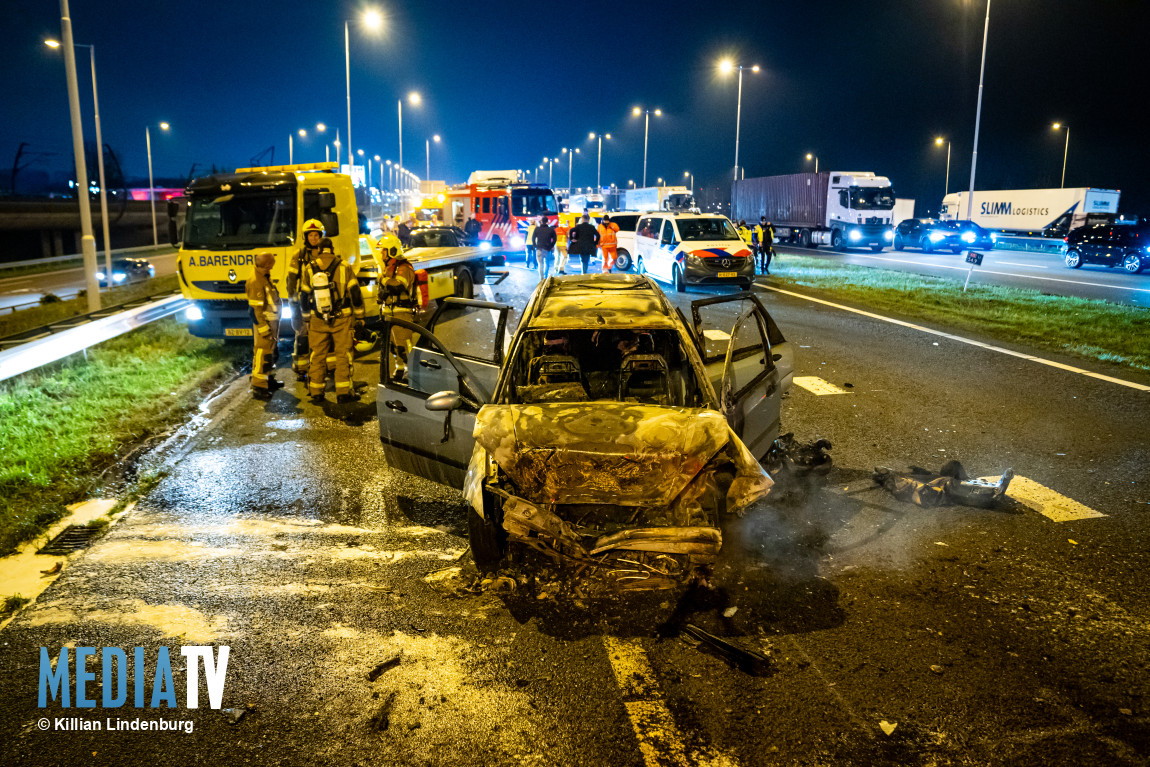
x: 313, y: 225
x: 389, y: 245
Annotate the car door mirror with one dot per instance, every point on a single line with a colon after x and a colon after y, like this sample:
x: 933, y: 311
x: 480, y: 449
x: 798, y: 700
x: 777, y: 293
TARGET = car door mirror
x: 444, y: 400
x: 330, y: 223
x: 327, y: 200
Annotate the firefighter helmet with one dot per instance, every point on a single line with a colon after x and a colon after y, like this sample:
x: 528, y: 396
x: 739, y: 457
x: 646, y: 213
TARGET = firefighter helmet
x: 313, y: 225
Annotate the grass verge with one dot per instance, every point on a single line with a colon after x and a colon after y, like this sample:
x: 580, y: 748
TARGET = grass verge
x: 35, y: 316
x: 1080, y: 327
x: 61, y: 426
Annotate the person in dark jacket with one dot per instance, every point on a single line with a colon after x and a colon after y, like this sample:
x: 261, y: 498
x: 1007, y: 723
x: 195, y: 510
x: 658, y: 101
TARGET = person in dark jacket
x: 583, y: 241
x: 472, y: 229
x: 544, y: 241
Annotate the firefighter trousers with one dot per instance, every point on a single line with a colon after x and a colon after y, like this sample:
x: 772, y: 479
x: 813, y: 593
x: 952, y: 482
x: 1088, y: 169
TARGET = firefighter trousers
x: 609, y: 254
x: 399, y: 343
x: 300, y: 359
x: 331, y: 349
x: 264, y: 354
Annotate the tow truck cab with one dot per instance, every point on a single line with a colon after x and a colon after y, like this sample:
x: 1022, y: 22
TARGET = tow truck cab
x: 231, y: 218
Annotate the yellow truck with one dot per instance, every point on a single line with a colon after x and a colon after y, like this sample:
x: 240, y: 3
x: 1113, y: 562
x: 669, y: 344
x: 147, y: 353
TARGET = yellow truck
x: 231, y: 218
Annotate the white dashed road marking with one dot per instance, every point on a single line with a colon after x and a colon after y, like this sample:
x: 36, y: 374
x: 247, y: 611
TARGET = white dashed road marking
x: 818, y: 386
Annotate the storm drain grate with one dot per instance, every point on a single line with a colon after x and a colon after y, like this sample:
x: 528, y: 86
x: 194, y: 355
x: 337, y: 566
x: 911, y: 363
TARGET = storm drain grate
x: 72, y: 538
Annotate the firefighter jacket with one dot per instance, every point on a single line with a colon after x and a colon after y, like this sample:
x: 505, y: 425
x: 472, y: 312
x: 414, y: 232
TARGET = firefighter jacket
x: 607, y: 234
x: 529, y: 236
x: 346, y: 298
x: 304, y: 255
x: 745, y: 233
x: 561, y: 230
x: 398, y: 288
x: 757, y: 235
x: 263, y: 301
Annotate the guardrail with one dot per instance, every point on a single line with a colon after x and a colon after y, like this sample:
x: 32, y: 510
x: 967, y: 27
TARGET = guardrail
x: 22, y: 352
x: 1029, y: 244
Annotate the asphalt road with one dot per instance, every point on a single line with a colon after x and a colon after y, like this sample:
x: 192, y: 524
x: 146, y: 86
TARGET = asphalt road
x: 897, y: 634
x: 1015, y: 268
x: 66, y: 283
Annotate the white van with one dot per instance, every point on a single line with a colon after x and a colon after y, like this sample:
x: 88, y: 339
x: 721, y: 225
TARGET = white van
x: 693, y: 249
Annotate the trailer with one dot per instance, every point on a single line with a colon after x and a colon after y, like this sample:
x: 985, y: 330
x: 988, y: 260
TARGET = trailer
x: 1034, y: 212
x: 672, y: 199
x: 843, y: 209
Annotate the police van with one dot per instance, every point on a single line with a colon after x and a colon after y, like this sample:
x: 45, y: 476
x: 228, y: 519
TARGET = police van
x: 692, y: 249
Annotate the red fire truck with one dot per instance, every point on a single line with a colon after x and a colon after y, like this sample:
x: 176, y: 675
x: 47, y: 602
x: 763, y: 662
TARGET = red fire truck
x: 502, y: 204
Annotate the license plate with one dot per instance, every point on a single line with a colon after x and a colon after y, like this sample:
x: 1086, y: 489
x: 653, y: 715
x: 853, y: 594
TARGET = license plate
x: 237, y: 331
x: 728, y: 274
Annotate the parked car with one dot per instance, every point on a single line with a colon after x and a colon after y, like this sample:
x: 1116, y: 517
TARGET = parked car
x: 692, y: 249
x: 1124, y: 245
x: 608, y: 429
x: 126, y: 270
x: 930, y: 234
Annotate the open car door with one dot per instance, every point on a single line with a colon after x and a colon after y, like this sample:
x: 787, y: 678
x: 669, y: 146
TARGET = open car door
x: 748, y: 362
x: 427, y: 412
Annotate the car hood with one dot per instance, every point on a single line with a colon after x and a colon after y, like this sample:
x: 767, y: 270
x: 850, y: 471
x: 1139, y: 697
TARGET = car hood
x: 612, y: 452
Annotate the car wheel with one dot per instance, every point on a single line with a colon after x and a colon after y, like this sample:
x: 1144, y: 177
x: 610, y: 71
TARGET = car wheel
x: 1073, y: 259
x: 804, y: 238
x: 496, y: 242
x: 926, y: 245
x: 899, y: 244
x: 680, y: 283
x: 1132, y: 263
x: 488, y: 541
x: 639, y: 267
x: 622, y: 260
x: 464, y: 285
x: 876, y: 248
x: 837, y: 241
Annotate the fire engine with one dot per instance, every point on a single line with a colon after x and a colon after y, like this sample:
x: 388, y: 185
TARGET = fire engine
x: 503, y: 205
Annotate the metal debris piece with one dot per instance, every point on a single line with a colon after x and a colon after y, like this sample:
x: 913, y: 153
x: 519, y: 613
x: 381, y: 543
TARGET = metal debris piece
x: 234, y: 715
x: 747, y: 661
x: 799, y: 459
x: 53, y: 569
x: 887, y: 727
x: 730, y: 612
x: 950, y: 485
x: 383, y: 666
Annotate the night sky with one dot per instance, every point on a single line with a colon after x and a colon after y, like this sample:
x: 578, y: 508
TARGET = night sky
x: 864, y: 85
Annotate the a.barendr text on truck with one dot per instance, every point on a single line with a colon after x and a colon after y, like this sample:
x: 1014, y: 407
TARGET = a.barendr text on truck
x: 836, y: 208
x: 231, y: 218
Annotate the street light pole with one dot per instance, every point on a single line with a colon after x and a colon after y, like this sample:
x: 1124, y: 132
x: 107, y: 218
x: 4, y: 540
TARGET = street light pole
x: 946, y: 185
x: 815, y: 158
x: 646, y: 127
x: 738, y: 120
x: 978, y: 114
x: 1057, y: 125
x: 87, y: 240
x: 151, y: 188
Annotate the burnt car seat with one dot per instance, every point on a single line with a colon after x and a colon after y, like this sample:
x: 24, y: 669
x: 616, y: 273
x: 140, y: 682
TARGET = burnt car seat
x: 644, y: 378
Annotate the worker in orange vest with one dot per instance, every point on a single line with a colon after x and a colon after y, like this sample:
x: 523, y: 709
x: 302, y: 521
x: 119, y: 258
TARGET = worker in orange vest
x: 608, y: 243
x: 561, y: 228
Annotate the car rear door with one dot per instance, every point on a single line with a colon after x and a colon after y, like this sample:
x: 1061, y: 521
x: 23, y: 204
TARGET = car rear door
x: 748, y: 362
x: 461, y: 351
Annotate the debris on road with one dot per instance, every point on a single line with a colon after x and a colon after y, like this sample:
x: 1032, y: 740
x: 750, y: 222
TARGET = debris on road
x: 383, y: 666
x: 53, y: 570
x: 234, y: 715
x: 887, y: 727
x: 949, y: 485
x: 381, y: 719
x: 936, y: 669
x: 796, y: 458
x: 730, y: 612
x: 747, y: 661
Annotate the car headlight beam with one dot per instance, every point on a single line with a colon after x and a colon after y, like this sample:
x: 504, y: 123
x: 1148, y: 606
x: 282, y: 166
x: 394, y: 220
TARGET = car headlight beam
x: 194, y: 313
x: 517, y: 243
x: 888, y: 235
x: 936, y: 236
x: 969, y: 237
x: 854, y: 235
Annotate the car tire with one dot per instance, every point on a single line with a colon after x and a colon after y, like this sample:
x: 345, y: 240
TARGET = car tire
x: 926, y: 245
x: 680, y: 283
x: 876, y: 248
x: 622, y: 260
x: 1132, y: 263
x: 639, y: 267
x: 1073, y: 259
x: 488, y: 541
x: 899, y: 244
x: 837, y: 241
x: 464, y: 284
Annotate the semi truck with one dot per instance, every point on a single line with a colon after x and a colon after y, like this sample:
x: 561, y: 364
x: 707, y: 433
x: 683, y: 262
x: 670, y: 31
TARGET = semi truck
x: 673, y: 199
x: 842, y: 209
x: 1035, y: 212
x: 230, y: 218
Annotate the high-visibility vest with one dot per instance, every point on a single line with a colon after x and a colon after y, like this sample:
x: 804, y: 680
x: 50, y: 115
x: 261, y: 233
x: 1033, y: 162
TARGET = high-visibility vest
x: 607, y: 235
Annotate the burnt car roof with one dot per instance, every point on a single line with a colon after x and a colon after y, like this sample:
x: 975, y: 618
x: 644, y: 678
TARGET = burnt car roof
x: 602, y: 301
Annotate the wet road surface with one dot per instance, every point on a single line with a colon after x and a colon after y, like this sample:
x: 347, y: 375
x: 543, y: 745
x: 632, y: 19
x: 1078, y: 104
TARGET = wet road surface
x: 896, y: 634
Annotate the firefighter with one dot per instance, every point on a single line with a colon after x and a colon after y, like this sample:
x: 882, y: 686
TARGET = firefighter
x: 744, y: 232
x: 313, y: 232
x: 331, y: 297
x: 757, y: 240
x: 608, y: 243
x: 398, y: 299
x: 264, y: 307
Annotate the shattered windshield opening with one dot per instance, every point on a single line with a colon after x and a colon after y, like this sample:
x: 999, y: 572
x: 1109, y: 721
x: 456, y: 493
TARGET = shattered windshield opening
x: 647, y: 367
x: 221, y: 222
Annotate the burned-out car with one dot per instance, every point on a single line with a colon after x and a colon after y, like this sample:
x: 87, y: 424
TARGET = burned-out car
x: 608, y: 432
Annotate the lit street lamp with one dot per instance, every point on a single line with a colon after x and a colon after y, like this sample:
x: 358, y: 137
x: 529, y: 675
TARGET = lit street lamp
x: 414, y: 99
x: 434, y: 138
x: 815, y: 158
x: 373, y: 20
x: 570, y: 156
x: 688, y: 174
x: 599, y: 163
x: 946, y: 185
x: 646, y: 127
x: 151, y: 183
x: 1056, y: 126
x: 726, y: 66
x: 99, y: 156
